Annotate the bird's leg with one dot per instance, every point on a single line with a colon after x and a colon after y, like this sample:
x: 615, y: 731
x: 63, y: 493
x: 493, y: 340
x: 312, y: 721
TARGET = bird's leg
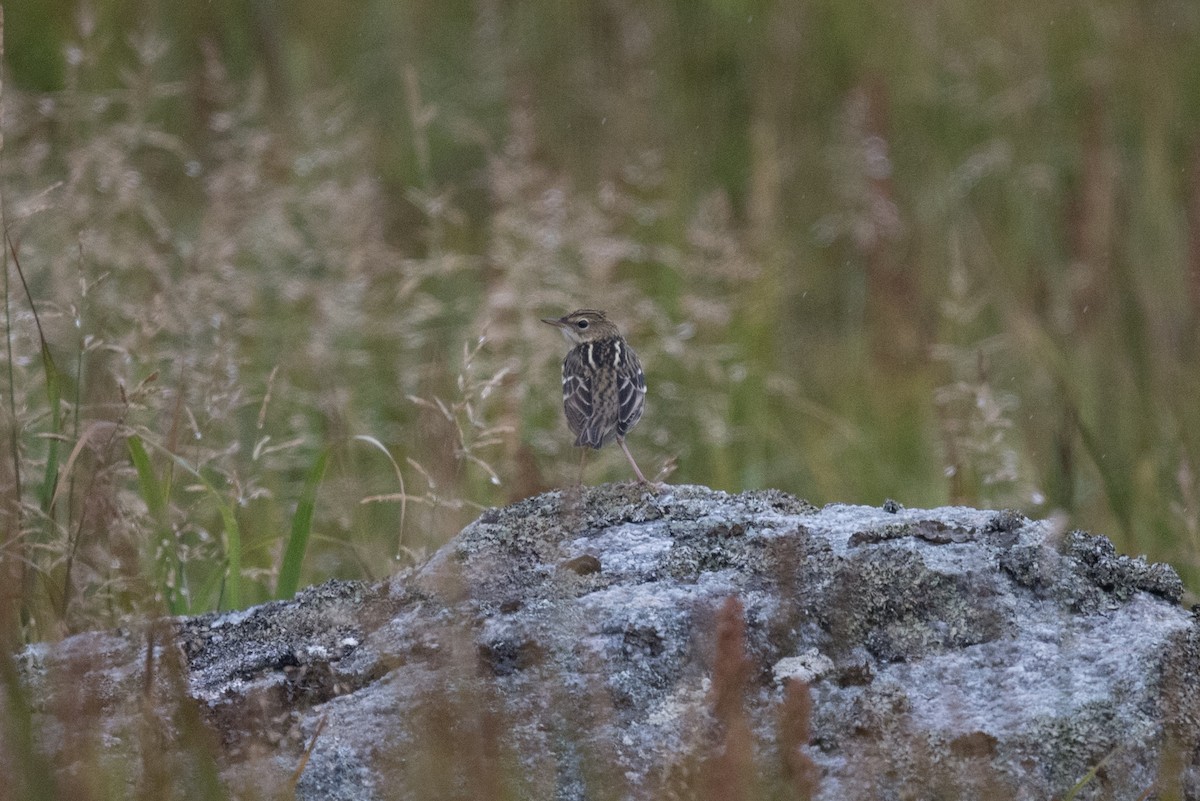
x: 582, y: 459
x: 632, y: 463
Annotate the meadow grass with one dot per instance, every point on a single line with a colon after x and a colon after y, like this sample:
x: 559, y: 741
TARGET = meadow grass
x: 271, y: 314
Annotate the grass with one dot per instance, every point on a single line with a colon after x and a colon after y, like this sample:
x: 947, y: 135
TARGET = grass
x: 945, y: 254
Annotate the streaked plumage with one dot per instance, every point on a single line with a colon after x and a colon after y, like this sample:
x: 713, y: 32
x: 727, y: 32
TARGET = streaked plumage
x: 604, y: 388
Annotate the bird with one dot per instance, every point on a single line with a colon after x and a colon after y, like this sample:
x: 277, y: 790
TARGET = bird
x: 604, y: 388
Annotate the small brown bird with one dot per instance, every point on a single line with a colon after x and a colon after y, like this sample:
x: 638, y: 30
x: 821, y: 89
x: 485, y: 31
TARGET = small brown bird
x: 604, y: 388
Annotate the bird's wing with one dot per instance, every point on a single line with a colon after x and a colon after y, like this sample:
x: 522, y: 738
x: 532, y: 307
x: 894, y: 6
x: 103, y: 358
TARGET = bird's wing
x: 577, y: 394
x: 631, y: 391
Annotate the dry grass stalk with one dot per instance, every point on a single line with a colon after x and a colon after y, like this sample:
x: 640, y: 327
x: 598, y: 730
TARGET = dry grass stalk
x: 731, y: 772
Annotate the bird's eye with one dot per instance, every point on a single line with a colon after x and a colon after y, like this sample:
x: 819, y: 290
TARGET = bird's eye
x: 582, y: 324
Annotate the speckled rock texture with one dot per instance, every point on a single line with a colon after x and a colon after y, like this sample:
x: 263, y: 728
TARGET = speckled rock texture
x: 581, y: 645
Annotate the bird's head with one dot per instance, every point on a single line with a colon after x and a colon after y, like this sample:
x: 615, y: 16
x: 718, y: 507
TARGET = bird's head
x: 585, y: 325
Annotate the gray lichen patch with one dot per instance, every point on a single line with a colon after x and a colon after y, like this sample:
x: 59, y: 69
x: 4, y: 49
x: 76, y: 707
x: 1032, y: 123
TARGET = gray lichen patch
x: 894, y: 604
x: 282, y: 657
x: 320, y: 625
x: 1119, y: 575
x: 1086, y: 574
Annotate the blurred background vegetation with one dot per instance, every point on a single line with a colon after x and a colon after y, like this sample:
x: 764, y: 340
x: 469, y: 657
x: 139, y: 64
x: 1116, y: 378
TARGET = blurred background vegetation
x: 287, y: 262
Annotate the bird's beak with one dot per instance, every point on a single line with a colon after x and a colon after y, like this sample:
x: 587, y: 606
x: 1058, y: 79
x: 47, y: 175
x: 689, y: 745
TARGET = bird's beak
x: 564, y: 328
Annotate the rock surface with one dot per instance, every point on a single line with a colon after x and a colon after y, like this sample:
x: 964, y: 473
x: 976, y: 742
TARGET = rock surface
x: 582, y: 644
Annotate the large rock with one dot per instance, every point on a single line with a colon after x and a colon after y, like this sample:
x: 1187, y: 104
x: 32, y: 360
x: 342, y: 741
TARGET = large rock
x: 583, y: 644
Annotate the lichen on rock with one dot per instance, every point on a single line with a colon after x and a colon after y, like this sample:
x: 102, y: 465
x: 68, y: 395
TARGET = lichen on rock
x: 577, y: 644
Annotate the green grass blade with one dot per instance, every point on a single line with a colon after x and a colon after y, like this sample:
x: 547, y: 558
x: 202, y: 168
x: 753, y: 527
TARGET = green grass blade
x: 53, y: 395
x: 13, y: 439
x: 1088, y: 777
x: 293, y: 555
x: 53, y: 389
x: 403, y: 495
x: 208, y: 596
x: 233, y: 532
x: 152, y: 491
x: 155, y: 493
x: 233, y: 546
